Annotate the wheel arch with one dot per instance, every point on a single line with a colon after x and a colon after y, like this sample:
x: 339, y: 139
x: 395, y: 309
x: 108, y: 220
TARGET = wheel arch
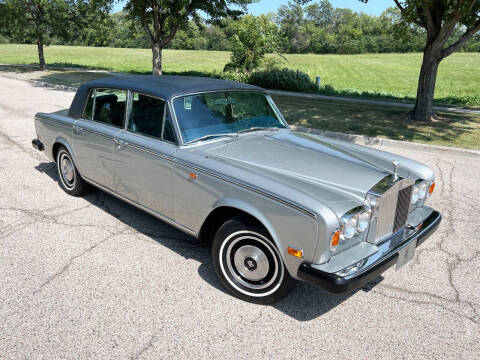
x: 228, y: 208
x: 60, y: 141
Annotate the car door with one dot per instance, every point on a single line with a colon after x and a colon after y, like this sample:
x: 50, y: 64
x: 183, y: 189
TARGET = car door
x: 145, y: 152
x: 94, y: 134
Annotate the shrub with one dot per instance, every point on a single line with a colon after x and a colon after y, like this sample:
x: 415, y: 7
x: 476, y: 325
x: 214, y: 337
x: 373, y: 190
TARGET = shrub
x: 282, y: 79
x: 235, y: 75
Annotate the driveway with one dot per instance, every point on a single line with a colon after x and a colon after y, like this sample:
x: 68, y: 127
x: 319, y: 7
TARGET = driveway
x: 93, y: 277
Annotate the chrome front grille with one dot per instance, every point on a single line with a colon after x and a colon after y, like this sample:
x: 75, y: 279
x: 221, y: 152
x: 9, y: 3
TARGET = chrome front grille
x: 403, y: 206
x: 393, y: 209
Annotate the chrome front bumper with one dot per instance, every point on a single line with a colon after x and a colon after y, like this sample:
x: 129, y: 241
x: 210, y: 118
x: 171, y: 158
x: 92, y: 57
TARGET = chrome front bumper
x: 385, y: 256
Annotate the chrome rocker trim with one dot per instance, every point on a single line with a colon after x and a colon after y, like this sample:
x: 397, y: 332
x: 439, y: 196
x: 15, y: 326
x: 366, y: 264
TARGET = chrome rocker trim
x: 338, y: 284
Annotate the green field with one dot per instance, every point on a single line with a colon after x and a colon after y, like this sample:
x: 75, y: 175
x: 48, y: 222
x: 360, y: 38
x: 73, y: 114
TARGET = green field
x: 389, y: 75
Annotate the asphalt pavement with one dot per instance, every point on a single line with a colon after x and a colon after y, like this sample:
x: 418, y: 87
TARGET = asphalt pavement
x: 94, y: 277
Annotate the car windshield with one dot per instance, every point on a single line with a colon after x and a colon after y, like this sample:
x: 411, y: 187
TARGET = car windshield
x: 216, y: 114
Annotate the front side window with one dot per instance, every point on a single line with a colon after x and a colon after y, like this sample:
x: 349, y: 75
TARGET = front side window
x: 223, y: 112
x: 106, y: 106
x: 146, y: 115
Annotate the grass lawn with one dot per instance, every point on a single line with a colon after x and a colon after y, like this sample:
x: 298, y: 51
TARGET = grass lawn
x: 389, y: 75
x: 457, y: 130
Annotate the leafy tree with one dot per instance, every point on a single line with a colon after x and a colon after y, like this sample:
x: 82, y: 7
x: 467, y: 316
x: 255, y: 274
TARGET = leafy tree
x: 253, y: 37
x: 291, y: 19
x: 39, y: 21
x: 321, y: 13
x: 128, y: 33
x: 161, y: 19
x: 441, y: 19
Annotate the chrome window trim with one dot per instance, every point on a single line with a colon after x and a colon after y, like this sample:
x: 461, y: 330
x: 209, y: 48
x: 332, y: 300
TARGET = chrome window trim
x: 91, y: 90
x: 264, y: 92
x: 94, y: 102
x: 128, y: 112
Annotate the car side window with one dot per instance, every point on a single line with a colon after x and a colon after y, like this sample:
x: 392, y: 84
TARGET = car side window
x: 168, y: 132
x: 106, y: 106
x: 146, y: 115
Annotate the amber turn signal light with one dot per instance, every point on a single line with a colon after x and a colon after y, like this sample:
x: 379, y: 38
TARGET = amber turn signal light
x: 335, y: 239
x: 431, y: 188
x: 295, y: 252
x: 193, y: 176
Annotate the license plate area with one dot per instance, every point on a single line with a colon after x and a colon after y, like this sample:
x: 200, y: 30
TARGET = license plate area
x: 406, y: 254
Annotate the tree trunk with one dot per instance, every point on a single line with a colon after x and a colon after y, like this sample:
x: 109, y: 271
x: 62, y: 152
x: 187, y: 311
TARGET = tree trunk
x: 426, y: 87
x: 41, y: 57
x: 157, y: 59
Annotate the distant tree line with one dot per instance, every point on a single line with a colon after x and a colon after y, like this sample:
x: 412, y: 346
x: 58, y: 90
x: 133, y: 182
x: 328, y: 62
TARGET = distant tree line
x: 317, y: 28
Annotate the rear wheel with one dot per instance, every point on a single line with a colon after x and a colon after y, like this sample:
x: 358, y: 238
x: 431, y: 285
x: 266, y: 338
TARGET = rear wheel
x: 70, y: 180
x: 248, y: 263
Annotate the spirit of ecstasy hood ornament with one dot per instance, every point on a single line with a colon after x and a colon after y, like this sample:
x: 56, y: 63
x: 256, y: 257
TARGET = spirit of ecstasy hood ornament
x: 396, y: 165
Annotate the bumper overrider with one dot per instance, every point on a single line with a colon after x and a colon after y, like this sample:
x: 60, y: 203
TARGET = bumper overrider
x: 338, y: 284
x: 37, y: 144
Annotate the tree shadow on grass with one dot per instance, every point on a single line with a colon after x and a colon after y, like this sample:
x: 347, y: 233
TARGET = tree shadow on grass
x: 376, y: 121
x: 305, y: 303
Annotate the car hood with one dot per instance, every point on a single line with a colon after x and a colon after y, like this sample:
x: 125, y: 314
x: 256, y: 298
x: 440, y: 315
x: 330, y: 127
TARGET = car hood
x: 305, y: 162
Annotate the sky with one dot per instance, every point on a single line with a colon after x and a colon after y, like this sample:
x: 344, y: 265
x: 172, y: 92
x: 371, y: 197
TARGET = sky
x: 373, y: 7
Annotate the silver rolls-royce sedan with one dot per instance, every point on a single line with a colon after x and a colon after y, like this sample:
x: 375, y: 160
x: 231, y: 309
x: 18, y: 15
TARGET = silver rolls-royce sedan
x: 217, y: 160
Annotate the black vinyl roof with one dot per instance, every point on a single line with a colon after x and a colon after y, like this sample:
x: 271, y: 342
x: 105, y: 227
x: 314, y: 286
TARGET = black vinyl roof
x: 165, y: 86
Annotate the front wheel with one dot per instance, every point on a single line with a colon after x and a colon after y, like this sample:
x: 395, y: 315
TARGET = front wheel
x: 248, y: 263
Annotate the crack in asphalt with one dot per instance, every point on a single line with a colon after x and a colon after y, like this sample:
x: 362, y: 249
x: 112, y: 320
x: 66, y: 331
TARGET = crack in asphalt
x: 145, y: 348
x: 452, y: 261
x: 474, y: 319
x: 73, y: 258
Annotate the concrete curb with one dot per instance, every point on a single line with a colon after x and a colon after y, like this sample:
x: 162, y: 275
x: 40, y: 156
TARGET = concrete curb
x: 394, y: 104
x: 357, y: 139
x: 53, y: 86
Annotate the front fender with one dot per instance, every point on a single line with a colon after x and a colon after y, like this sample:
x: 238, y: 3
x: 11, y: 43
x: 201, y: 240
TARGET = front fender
x: 286, y: 226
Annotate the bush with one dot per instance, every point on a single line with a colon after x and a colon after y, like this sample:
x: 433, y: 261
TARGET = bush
x: 282, y: 79
x: 233, y: 74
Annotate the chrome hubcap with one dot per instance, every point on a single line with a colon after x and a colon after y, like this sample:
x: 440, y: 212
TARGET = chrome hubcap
x: 251, y: 263
x: 67, y: 169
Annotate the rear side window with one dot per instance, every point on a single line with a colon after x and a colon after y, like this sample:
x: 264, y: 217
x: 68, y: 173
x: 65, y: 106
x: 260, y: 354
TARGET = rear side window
x: 106, y: 106
x: 146, y: 115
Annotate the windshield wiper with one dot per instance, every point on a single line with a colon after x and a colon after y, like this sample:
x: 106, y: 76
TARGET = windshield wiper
x: 211, y: 136
x: 257, y: 128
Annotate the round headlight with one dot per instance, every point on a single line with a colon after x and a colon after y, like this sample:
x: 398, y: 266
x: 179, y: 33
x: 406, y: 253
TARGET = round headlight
x: 349, y: 228
x: 363, y: 221
x: 422, y: 190
x: 415, y: 194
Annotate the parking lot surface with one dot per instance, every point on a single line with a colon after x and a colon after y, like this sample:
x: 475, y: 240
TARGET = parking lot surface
x: 94, y: 277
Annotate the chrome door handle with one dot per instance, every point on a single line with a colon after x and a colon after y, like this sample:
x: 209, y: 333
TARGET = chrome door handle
x: 120, y: 144
x: 77, y: 129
